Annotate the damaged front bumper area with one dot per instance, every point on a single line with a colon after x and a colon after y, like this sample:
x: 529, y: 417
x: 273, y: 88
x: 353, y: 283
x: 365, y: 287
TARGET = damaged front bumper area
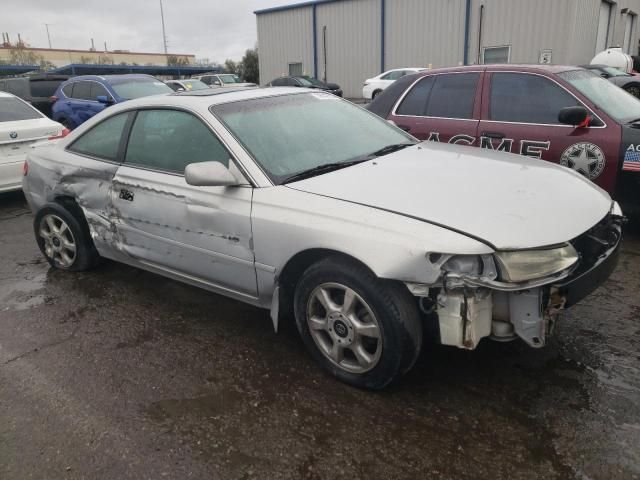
x: 471, y: 307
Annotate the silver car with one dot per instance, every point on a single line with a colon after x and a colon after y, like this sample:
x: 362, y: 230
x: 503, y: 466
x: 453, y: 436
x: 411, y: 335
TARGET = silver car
x: 305, y: 204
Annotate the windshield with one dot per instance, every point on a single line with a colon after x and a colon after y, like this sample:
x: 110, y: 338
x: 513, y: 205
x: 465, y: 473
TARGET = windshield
x: 313, y: 81
x: 289, y: 134
x: 229, y: 78
x: 12, y: 108
x: 191, y: 85
x: 614, y: 101
x: 614, y: 72
x: 139, y: 87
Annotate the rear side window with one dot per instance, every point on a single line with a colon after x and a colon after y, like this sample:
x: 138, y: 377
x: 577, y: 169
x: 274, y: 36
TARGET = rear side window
x: 103, y: 140
x: 393, y: 75
x: 453, y: 96
x: 68, y: 90
x: 170, y: 140
x: 44, y: 88
x: 383, y: 103
x: 278, y: 82
x: 12, y: 109
x: 82, y: 90
x: 415, y: 103
x: 524, y: 98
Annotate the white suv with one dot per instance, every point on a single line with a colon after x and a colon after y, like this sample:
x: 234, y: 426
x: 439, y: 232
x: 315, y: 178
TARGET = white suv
x: 374, y: 86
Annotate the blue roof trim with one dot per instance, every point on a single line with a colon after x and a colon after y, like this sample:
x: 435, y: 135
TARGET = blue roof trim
x: 294, y: 6
x: 92, y: 69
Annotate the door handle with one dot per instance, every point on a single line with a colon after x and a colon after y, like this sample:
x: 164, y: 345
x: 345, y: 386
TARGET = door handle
x: 126, y: 195
x: 496, y: 135
x: 406, y: 128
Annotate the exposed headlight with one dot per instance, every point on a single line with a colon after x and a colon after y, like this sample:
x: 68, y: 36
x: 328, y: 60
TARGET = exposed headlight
x: 526, y: 265
x: 472, y: 265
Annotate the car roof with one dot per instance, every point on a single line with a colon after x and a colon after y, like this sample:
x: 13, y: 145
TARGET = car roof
x: 108, y: 78
x: 203, y: 99
x: 553, y: 69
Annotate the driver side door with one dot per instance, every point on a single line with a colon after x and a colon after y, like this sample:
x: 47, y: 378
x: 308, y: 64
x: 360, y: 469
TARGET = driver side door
x: 198, y: 234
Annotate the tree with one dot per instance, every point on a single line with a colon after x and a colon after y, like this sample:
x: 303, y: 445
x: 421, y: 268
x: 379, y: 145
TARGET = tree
x: 21, y: 55
x: 175, y: 61
x: 248, y: 67
x: 230, y: 66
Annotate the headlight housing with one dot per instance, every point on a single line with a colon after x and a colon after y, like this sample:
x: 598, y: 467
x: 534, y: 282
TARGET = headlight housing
x: 524, y: 265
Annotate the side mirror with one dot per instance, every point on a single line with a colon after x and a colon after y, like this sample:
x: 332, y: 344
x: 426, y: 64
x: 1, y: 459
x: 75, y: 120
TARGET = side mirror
x: 104, y: 99
x: 605, y: 75
x: 209, y: 174
x: 217, y: 83
x: 180, y: 89
x: 574, y: 116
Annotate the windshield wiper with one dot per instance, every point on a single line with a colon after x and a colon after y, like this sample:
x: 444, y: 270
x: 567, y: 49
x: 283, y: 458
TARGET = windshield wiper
x: 633, y: 121
x: 390, y: 149
x: 325, y: 168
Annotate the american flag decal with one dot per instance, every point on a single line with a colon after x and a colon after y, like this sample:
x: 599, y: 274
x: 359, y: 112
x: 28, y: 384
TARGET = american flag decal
x: 631, y: 160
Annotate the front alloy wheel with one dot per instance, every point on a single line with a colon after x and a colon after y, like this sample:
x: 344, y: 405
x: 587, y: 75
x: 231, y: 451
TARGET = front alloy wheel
x: 362, y: 329
x: 344, y: 327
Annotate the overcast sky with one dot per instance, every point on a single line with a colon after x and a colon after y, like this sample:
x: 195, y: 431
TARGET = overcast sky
x: 217, y: 29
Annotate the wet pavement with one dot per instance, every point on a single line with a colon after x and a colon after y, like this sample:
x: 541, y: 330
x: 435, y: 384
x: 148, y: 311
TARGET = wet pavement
x: 118, y: 373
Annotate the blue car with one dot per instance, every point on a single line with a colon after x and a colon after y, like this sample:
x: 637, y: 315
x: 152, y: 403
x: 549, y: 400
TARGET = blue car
x: 80, y: 98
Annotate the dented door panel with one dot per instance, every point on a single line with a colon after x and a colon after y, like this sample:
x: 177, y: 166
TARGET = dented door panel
x: 202, y: 232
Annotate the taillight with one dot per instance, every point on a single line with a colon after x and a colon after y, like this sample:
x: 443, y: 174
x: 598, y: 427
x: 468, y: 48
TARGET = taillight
x: 53, y: 99
x: 25, y: 168
x: 63, y: 133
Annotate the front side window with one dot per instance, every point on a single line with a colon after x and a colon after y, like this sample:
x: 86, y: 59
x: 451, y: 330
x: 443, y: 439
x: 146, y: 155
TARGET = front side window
x: 614, y: 101
x: 278, y: 82
x: 12, y: 109
x: 525, y: 98
x: 98, y: 90
x: 289, y: 134
x: 103, y: 140
x: 129, y: 88
x: 169, y: 140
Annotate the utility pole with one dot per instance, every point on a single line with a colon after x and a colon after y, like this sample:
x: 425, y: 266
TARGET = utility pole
x: 48, y: 36
x: 164, y: 33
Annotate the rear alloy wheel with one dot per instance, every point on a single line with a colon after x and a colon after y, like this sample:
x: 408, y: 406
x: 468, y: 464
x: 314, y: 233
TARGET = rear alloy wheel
x: 63, y: 237
x: 364, y: 330
x: 59, y: 242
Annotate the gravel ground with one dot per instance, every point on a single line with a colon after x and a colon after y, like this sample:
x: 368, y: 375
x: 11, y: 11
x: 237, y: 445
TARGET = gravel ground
x: 117, y: 373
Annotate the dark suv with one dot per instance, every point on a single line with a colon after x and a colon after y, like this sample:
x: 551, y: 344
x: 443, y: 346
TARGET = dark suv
x: 37, y: 89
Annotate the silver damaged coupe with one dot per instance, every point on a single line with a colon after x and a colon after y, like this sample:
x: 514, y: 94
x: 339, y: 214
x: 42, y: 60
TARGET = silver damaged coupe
x: 302, y: 203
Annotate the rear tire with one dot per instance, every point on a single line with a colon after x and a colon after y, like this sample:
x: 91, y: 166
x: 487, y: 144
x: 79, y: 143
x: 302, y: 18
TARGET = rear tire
x: 633, y: 89
x: 363, y: 330
x: 375, y: 94
x: 63, y: 238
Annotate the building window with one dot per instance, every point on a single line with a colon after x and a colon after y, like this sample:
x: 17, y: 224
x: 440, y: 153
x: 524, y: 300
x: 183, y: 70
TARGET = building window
x: 492, y: 55
x: 295, y: 69
x: 604, y: 21
x: 629, y: 27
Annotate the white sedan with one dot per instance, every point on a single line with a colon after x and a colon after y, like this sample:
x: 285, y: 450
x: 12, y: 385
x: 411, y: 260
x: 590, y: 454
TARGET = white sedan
x: 351, y: 226
x: 376, y: 85
x: 21, y: 126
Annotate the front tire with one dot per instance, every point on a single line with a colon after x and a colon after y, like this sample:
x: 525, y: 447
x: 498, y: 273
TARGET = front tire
x: 63, y: 239
x: 363, y: 330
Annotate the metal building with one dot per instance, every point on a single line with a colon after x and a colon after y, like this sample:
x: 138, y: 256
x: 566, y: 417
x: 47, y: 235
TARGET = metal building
x: 347, y: 41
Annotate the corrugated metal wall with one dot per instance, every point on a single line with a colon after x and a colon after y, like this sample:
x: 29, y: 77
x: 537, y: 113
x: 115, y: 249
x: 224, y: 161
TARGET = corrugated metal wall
x: 352, y: 43
x: 285, y: 37
x: 423, y: 32
x: 419, y: 33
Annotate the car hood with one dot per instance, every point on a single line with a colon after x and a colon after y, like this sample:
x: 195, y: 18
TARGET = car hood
x: 505, y: 200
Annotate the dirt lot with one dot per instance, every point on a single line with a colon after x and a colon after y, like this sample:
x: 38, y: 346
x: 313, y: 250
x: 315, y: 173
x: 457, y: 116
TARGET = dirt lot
x: 117, y: 373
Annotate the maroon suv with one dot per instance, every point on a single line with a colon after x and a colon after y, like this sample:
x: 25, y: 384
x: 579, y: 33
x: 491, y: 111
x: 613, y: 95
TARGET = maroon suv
x: 563, y: 114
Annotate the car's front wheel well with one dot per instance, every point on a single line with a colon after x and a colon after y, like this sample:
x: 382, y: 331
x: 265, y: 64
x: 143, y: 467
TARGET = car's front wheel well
x: 296, y: 266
